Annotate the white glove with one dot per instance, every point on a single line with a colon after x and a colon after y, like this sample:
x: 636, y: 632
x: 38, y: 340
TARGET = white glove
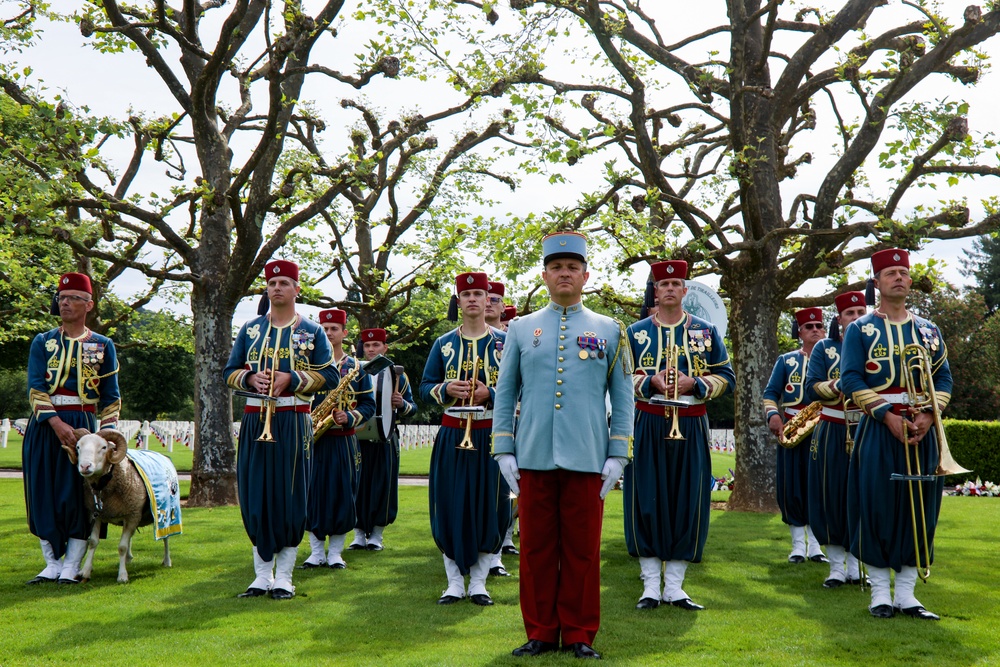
x: 508, y: 468
x: 613, y: 469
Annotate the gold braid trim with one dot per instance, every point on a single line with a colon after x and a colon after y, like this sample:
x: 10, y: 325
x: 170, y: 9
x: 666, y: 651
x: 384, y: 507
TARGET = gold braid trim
x: 943, y: 399
x: 868, y: 400
x: 628, y: 364
x: 40, y: 401
x: 944, y: 357
x: 717, y: 385
x: 313, y: 381
x: 827, y: 390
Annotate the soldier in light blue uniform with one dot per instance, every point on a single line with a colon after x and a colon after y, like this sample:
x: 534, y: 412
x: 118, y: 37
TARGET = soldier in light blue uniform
x: 873, y: 373
x: 283, y: 355
x: 829, y: 448
x: 787, y: 389
x: 668, y: 485
x: 72, y: 383
x: 562, y: 362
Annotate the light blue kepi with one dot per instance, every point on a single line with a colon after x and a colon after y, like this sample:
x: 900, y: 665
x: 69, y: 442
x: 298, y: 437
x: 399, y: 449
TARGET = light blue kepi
x: 564, y: 245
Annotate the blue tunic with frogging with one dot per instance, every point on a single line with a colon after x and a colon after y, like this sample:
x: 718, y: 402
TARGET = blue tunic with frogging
x: 882, y: 529
x: 470, y: 503
x: 668, y: 485
x: 786, y: 388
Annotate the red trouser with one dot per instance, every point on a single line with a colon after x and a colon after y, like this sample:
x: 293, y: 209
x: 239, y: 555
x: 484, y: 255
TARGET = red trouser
x: 561, y: 513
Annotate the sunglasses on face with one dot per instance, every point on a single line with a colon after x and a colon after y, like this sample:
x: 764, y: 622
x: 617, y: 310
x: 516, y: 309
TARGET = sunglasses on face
x: 72, y: 298
x: 495, y: 299
x: 811, y: 325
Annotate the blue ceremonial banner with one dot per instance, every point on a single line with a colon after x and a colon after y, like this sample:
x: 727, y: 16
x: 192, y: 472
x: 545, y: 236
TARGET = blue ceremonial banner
x: 160, y: 477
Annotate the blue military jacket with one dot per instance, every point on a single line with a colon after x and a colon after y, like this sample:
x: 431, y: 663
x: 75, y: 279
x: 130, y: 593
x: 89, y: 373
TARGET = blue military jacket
x: 548, y: 365
x: 300, y: 348
x: 872, y: 360
x: 787, y: 386
x: 453, y: 357
x: 703, y: 355
x: 823, y: 373
x: 86, y: 367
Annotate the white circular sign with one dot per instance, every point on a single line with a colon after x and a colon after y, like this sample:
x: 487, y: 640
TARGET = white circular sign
x: 704, y: 302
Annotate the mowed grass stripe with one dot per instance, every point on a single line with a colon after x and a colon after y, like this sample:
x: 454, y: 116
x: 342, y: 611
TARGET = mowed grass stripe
x: 381, y: 610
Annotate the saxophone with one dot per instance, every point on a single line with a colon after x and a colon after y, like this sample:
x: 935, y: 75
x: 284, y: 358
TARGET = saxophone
x: 801, y: 425
x: 322, y: 416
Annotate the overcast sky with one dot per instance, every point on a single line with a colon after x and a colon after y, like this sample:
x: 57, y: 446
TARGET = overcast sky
x: 119, y: 85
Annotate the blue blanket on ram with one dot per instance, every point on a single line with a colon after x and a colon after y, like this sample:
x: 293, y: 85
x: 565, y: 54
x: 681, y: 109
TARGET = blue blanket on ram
x: 160, y: 477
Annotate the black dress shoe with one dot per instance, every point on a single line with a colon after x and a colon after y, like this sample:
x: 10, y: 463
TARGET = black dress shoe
x: 252, y: 593
x: 581, y: 650
x: 481, y: 599
x: 881, y: 611
x: 833, y: 583
x: 308, y: 566
x: 795, y: 558
x: 355, y: 546
x: 499, y: 571
x: 819, y: 558
x: 281, y: 594
x: 62, y: 581
x: 374, y: 547
x: 510, y: 551
x: 337, y: 566
x: 448, y: 599
x: 921, y: 613
x: 687, y: 605
x: 648, y: 603
x: 534, y: 647
x: 39, y: 580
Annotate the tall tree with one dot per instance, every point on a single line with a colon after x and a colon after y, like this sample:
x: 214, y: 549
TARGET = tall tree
x: 704, y: 131
x: 984, y: 267
x: 249, y: 171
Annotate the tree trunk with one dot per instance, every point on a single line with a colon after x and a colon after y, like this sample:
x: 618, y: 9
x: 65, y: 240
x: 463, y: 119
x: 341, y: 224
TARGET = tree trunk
x: 755, y: 347
x: 213, y: 475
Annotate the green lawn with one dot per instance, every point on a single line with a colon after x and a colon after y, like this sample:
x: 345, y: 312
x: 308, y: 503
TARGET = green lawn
x: 381, y: 611
x: 181, y: 456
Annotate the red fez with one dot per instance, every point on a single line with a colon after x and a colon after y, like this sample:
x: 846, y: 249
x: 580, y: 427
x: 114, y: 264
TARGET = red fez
x: 883, y: 259
x: 509, y: 313
x: 809, y: 315
x: 467, y: 281
x: 673, y: 268
x: 334, y: 316
x: 77, y: 281
x: 849, y: 300
x: 496, y: 288
x: 281, y: 267
x: 372, y: 334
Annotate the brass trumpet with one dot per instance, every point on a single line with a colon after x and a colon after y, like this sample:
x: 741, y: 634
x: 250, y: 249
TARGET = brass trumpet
x: 673, y: 356
x: 468, y: 406
x: 672, y: 404
x: 921, y: 395
x: 269, y: 402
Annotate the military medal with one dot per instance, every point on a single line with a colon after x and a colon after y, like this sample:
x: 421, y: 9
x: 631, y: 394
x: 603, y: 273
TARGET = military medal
x: 583, y: 354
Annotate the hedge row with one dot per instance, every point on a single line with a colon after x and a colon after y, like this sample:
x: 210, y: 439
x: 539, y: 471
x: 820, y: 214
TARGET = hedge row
x: 974, y: 445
